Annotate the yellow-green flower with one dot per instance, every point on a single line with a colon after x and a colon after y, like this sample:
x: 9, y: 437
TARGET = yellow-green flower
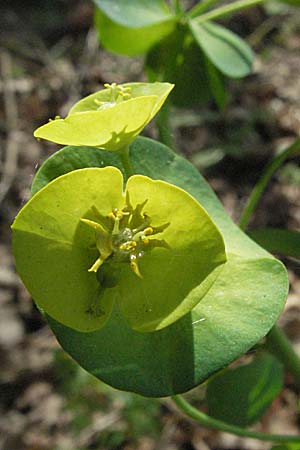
x: 110, y: 118
x: 81, y: 244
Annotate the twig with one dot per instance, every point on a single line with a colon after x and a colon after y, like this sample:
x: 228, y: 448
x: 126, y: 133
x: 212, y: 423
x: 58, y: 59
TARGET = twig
x: 11, y: 113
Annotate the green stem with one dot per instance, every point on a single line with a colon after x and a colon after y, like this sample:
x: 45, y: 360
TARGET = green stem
x: 227, y: 9
x: 278, y: 344
x: 210, y: 422
x: 263, y: 183
x: 163, y: 124
x: 201, y: 7
x: 177, y: 7
x: 125, y: 159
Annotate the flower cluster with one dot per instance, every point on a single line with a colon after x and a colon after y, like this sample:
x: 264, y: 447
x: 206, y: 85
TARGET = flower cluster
x: 81, y: 244
x: 110, y: 118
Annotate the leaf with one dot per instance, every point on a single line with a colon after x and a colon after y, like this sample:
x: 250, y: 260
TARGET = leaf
x: 135, y: 13
x: 72, y: 158
x: 215, y: 333
x: 216, y: 84
x: 50, y: 229
x: 290, y: 446
x: 294, y: 3
x: 241, y: 396
x: 275, y: 240
x: 51, y: 245
x: 178, y: 59
x: 227, y: 51
x: 137, y: 90
x: 131, y: 27
x: 105, y: 120
x: 196, y: 255
x: 94, y: 128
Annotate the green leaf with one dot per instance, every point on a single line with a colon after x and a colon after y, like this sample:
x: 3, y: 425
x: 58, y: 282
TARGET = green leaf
x: 107, y: 118
x: 196, y: 254
x: 275, y: 240
x: 52, y: 230
x: 49, y: 228
x: 72, y: 158
x: 240, y: 396
x: 286, y: 447
x: 53, y: 250
x: 135, y: 13
x: 137, y: 90
x: 131, y: 27
x: 216, y: 84
x: 185, y: 354
x: 227, y: 51
x: 290, y: 3
x: 178, y: 59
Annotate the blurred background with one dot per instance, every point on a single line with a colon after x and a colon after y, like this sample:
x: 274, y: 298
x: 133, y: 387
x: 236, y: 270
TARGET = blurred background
x: 49, y: 58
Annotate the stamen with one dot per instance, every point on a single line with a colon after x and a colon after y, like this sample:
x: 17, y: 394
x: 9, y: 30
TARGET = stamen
x: 96, y: 265
x: 116, y: 228
x: 55, y: 118
x: 148, y: 231
x: 134, y: 266
x: 145, y: 240
x: 124, y: 235
x: 118, y: 93
x: 129, y: 245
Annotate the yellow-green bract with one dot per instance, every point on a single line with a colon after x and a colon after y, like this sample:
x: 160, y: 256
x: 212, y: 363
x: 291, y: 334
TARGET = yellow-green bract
x: 110, y: 118
x: 78, y: 240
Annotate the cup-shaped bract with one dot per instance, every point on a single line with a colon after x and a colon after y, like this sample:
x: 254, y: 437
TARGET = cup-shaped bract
x: 110, y: 118
x: 81, y: 243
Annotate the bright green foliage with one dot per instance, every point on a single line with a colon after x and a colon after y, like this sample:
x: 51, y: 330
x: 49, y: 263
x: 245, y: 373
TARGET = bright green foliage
x: 227, y: 51
x: 291, y: 446
x: 110, y: 118
x: 179, y: 59
x: 180, y: 275
x: 192, y: 53
x: 135, y: 13
x: 238, y: 310
x: 292, y: 3
x: 80, y: 244
x: 132, y: 26
x: 216, y: 84
x: 77, y: 158
x: 240, y: 396
x: 275, y: 240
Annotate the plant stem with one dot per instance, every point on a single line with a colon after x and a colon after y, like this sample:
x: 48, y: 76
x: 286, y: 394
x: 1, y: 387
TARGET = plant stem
x: 163, y: 124
x: 227, y: 9
x: 201, y: 7
x: 261, y: 185
x: 278, y: 344
x: 125, y: 159
x: 210, y: 422
x: 177, y: 7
